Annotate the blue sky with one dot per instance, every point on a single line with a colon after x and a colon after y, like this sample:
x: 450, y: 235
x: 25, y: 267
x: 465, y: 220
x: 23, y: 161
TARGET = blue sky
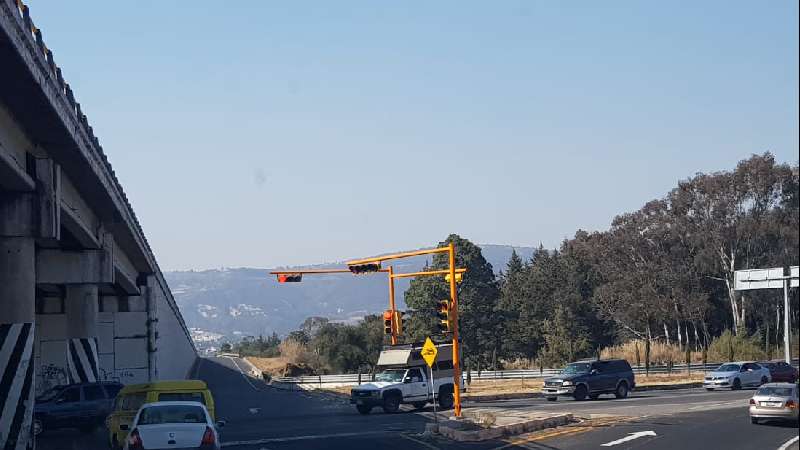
x: 257, y: 133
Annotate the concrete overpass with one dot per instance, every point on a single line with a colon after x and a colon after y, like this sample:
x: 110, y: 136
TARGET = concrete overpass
x: 81, y: 295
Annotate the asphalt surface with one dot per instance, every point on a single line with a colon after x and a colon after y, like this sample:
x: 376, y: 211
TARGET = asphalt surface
x: 262, y: 418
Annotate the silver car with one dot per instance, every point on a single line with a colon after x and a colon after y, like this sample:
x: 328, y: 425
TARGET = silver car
x: 736, y: 375
x: 774, y: 401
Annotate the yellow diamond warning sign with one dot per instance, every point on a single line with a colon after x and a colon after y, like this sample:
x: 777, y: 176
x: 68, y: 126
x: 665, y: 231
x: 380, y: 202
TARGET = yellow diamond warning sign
x: 429, y: 352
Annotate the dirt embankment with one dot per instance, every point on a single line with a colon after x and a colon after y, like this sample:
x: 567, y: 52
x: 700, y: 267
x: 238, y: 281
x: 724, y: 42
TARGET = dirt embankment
x: 280, y: 366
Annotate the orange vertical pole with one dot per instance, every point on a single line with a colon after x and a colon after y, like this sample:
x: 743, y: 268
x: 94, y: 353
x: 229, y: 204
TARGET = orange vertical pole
x: 392, y: 306
x: 454, y: 308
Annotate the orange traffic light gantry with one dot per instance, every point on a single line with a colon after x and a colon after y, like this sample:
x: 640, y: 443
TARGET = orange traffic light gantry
x: 393, y: 320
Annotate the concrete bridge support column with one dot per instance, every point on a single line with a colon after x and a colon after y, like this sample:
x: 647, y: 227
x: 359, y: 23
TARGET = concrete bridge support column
x: 17, y: 316
x: 81, y: 308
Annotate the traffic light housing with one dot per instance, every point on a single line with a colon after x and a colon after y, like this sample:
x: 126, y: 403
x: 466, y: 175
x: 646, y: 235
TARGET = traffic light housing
x: 443, y: 316
x: 459, y: 277
x: 399, y: 322
x: 290, y: 277
x: 365, y: 268
x: 387, y: 322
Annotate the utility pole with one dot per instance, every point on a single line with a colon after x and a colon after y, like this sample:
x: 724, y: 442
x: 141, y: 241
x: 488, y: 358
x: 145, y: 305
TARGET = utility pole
x: 787, y: 352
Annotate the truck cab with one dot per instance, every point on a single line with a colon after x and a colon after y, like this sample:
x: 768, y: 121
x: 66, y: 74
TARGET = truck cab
x: 402, y: 377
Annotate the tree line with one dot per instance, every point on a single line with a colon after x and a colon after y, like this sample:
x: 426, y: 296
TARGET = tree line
x: 662, y: 273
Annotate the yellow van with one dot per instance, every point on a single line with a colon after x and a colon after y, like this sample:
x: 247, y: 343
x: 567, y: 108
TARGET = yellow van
x: 133, y: 396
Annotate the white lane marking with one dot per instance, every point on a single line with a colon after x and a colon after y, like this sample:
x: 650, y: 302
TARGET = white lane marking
x: 629, y: 437
x: 422, y: 443
x: 789, y: 442
x: 304, y: 438
x: 244, y: 375
x: 254, y: 410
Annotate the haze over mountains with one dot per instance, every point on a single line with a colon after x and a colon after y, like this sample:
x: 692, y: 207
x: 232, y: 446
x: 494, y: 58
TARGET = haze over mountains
x: 249, y: 301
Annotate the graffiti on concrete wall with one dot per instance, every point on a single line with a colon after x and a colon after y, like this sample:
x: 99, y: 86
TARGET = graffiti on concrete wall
x: 50, y: 375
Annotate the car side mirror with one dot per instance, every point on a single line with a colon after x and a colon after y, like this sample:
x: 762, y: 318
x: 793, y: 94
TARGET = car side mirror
x: 124, y: 427
x: 407, y: 380
x: 593, y: 372
x: 220, y: 423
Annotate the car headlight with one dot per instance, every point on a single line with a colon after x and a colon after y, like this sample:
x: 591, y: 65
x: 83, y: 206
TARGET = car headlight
x: 566, y: 383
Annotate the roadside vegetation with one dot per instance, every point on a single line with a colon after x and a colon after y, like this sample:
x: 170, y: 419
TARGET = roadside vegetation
x: 655, y: 289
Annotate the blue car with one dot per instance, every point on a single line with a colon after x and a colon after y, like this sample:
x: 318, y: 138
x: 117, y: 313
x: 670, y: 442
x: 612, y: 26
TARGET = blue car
x: 83, y: 406
x: 591, y: 379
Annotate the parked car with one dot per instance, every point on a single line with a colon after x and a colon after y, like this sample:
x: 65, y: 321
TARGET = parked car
x: 591, y: 379
x: 736, y: 375
x: 83, y: 406
x: 780, y: 371
x: 775, y: 401
x: 132, y: 397
x: 176, y: 425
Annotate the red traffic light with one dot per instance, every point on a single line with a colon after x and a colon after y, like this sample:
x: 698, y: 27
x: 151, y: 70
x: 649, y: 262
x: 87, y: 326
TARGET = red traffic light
x: 387, y: 322
x: 290, y: 277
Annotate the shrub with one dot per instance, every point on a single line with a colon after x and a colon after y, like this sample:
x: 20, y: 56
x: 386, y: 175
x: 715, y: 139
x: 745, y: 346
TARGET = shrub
x: 295, y: 352
x: 728, y: 347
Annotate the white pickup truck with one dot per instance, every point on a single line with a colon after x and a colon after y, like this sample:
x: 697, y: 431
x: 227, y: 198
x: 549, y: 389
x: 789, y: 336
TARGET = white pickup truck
x: 403, y: 377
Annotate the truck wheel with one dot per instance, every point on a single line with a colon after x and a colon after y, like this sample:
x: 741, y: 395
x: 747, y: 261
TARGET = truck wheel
x: 622, y: 390
x: 419, y: 405
x: 552, y: 399
x: 580, y: 393
x: 445, y: 400
x: 391, y: 404
x: 364, y: 409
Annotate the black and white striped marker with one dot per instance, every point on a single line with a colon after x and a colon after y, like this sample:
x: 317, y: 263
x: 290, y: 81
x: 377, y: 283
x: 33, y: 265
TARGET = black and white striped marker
x: 82, y: 360
x: 16, y: 386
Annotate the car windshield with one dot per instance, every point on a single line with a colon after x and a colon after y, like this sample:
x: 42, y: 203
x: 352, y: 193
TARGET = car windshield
x: 728, y: 368
x: 390, y: 375
x: 50, y: 394
x: 772, y: 391
x: 576, y: 368
x: 153, y: 415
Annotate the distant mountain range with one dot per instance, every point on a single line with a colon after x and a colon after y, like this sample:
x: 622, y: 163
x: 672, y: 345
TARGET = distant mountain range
x: 247, y: 301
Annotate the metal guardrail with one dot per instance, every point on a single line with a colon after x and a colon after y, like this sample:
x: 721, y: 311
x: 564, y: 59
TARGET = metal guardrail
x: 516, y: 374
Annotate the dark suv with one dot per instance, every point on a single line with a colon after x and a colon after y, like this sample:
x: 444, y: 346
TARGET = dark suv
x: 590, y: 379
x: 83, y: 406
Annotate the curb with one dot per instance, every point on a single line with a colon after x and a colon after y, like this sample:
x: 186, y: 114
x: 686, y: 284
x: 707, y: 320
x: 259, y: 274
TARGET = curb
x: 509, y: 396
x: 668, y: 387
x: 523, y: 395
x: 526, y: 426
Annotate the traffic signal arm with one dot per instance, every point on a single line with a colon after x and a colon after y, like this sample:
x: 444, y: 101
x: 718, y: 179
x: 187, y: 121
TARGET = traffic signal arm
x: 429, y: 272
x: 398, y: 256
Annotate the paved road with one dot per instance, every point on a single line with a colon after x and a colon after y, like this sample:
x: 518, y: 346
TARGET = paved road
x: 260, y: 417
x: 701, y: 430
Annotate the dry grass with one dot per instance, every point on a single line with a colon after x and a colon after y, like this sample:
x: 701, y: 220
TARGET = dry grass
x: 273, y: 366
x: 660, y: 353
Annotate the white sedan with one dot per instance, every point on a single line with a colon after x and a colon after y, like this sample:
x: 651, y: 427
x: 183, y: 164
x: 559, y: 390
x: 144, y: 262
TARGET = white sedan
x: 183, y: 425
